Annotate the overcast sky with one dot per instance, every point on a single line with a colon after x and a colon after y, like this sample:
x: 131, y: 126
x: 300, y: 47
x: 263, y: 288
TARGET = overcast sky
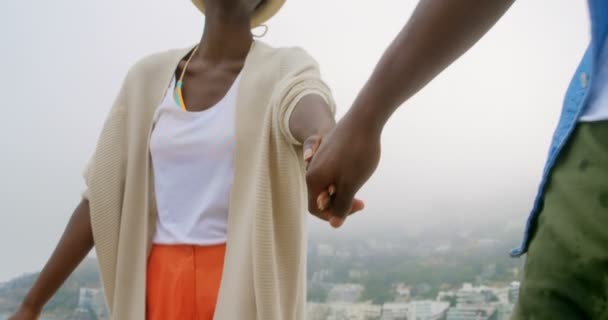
x: 470, y: 147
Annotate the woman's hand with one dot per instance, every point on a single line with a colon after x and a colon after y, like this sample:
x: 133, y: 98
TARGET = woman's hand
x: 320, y: 208
x: 25, y: 313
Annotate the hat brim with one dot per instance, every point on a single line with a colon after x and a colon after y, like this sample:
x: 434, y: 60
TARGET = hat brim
x: 262, y: 14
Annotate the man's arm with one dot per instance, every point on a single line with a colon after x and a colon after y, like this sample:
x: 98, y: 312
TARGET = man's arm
x: 438, y: 32
x: 310, y: 121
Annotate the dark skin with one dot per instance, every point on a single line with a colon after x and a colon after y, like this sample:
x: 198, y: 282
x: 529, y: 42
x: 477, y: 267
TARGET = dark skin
x: 221, y: 56
x: 438, y: 32
x: 221, y: 53
x: 75, y: 244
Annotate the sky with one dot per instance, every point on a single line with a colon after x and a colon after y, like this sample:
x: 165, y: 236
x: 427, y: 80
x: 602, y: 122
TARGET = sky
x: 470, y: 147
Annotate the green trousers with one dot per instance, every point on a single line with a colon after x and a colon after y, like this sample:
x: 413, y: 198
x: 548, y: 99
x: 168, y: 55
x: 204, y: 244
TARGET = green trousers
x: 566, y: 268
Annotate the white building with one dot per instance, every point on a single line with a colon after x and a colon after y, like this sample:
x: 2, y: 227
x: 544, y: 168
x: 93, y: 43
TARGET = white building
x: 471, y: 312
x: 343, y: 311
x: 415, y: 310
x: 395, y: 311
x: 446, y: 295
x: 92, y: 299
x: 514, y: 292
x: 469, y: 295
x: 427, y: 310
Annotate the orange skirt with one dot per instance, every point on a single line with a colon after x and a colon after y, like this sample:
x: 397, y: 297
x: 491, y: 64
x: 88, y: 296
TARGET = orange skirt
x: 183, y: 281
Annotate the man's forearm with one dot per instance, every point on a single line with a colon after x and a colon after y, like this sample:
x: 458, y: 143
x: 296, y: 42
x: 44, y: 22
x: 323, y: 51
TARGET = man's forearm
x: 438, y: 32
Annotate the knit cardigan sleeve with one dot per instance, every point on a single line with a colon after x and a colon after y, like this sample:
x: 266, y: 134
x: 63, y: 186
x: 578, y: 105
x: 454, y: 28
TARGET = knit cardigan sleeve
x: 111, y: 133
x: 104, y: 177
x: 300, y: 76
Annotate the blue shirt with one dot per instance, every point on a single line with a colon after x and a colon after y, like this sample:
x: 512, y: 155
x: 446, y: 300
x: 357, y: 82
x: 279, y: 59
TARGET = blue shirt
x: 597, y: 108
x: 575, y: 104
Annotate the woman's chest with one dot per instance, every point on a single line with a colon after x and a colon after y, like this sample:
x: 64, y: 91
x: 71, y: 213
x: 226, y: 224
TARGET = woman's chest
x: 185, y: 137
x: 205, y: 87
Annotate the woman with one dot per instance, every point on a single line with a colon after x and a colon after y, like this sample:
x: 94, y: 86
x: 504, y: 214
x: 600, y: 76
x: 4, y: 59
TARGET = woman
x: 195, y: 195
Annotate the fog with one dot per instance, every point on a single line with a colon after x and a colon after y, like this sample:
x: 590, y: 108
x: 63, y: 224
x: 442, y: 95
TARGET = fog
x: 470, y: 147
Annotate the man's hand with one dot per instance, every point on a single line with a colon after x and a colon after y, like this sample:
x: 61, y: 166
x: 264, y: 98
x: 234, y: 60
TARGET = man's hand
x: 345, y: 160
x: 322, y: 201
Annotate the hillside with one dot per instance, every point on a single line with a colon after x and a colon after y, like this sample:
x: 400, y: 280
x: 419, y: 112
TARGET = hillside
x: 435, y: 258
x: 63, y: 303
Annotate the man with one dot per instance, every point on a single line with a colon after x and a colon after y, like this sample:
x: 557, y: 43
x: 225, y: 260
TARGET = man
x: 566, y: 238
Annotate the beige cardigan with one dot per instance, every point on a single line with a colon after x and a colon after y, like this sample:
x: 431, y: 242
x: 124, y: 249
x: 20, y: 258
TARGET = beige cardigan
x: 265, y: 264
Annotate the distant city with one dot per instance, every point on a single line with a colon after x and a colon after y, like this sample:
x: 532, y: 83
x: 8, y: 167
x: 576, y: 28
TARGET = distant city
x: 440, y: 273
x: 343, y: 303
x: 467, y: 303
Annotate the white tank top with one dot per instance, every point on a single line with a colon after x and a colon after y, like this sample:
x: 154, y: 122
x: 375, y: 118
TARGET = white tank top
x: 192, y: 157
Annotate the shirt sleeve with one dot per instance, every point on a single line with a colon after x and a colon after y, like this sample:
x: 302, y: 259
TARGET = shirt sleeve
x: 111, y: 136
x: 302, y: 77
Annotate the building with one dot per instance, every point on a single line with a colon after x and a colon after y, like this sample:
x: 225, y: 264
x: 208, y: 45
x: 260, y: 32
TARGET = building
x: 85, y: 298
x: 91, y: 303
x: 346, y: 293
x: 469, y: 295
x: 371, y: 312
x: 504, y: 311
x: 514, y: 292
x: 358, y: 311
x: 395, y: 311
x: 427, y: 310
x: 471, y: 312
x: 446, y: 295
x: 415, y: 310
x: 502, y: 294
x: 343, y: 311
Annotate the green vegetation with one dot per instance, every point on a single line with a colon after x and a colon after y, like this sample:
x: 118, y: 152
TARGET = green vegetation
x: 63, y: 302
x: 317, y: 294
x: 435, y: 260
x: 480, y: 257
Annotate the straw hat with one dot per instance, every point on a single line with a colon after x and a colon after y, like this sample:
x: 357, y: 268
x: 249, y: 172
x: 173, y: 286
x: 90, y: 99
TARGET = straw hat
x: 262, y: 14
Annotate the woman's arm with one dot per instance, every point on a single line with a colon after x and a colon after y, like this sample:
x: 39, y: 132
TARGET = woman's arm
x: 312, y: 116
x: 75, y: 244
